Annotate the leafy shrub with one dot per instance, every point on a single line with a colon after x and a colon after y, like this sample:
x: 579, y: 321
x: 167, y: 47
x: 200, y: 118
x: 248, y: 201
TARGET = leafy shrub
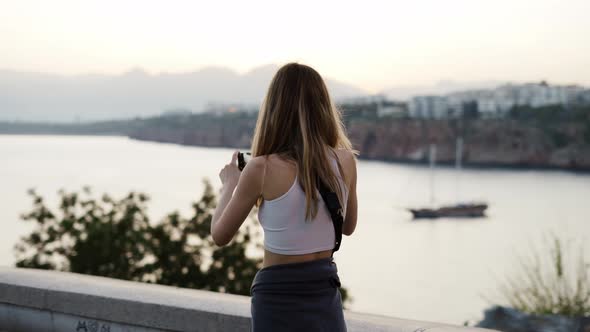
x: 114, y: 238
x: 552, y: 285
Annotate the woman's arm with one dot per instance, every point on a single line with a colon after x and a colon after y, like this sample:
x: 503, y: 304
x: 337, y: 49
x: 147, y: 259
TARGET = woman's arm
x: 234, y: 207
x: 351, y: 208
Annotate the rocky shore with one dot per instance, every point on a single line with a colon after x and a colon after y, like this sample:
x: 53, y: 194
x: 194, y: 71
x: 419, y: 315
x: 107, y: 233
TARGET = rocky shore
x: 552, y: 141
x: 487, y: 142
x: 511, y: 320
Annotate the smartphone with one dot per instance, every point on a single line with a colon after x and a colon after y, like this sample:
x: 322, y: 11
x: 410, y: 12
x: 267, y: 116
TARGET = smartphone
x: 243, y: 159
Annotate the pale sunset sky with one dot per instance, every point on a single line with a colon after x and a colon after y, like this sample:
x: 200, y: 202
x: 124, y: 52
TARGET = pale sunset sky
x: 371, y: 44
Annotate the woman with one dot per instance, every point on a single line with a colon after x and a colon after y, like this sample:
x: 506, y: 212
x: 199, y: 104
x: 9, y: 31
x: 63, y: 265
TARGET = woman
x: 299, y: 137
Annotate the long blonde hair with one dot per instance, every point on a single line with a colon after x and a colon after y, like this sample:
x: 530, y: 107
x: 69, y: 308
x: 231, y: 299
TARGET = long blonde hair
x: 298, y: 121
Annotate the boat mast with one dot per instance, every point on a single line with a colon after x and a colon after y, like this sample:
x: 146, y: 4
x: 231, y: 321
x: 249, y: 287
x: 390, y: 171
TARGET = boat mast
x: 458, y: 164
x: 431, y: 159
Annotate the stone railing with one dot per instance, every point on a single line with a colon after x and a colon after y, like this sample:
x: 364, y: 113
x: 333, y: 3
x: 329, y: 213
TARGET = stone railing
x: 39, y: 300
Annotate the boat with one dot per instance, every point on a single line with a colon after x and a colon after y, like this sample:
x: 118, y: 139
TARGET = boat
x: 468, y: 210
x: 459, y: 210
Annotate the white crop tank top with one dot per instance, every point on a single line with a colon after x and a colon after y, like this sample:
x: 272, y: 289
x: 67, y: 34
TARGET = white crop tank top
x: 285, y: 229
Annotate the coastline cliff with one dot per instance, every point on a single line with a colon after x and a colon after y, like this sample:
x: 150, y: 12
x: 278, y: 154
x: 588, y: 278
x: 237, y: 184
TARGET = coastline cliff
x: 487, y: 142
x: 528, y: 138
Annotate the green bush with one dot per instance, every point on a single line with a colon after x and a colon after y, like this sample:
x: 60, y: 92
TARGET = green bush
x: 551, y: 285
x: 115, y: 238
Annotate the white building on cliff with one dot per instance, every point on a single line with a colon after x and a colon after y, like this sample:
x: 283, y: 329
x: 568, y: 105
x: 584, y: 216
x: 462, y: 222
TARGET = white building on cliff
x: 497, y: 102
x: 428, y: 107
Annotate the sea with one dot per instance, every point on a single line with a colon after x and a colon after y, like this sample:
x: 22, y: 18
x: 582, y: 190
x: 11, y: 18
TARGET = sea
x: 444, y: 270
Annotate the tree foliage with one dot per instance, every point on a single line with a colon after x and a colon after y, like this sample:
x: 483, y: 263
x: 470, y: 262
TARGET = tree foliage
x: 114, y: 238
x: 551, y: 284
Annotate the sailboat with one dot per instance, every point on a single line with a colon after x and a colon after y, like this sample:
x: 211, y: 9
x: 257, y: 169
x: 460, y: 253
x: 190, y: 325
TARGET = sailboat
x: 463, y: 210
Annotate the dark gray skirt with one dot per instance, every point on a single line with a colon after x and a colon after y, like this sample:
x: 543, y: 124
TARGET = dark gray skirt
x: 297, y: 297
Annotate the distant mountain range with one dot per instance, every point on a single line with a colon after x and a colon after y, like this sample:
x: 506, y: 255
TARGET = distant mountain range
x: 29, y: 96
x: 39, y: 97
x: 442, y: 87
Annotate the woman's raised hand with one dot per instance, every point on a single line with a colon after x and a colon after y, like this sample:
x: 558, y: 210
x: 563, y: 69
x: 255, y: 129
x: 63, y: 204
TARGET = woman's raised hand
x: 230, y: 173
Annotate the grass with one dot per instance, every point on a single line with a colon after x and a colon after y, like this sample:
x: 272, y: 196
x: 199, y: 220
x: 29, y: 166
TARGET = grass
x: 551, y: 284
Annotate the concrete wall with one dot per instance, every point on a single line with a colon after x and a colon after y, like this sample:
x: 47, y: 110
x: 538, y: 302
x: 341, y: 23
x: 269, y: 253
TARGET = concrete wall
x: 39, y: 300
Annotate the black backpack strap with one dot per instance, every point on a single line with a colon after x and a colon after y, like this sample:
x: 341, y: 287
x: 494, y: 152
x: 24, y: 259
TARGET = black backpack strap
x: 333, y: 204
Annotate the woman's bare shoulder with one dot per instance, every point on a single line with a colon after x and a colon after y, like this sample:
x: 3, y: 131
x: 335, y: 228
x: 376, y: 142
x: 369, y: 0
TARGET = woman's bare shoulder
x: 346, y: 156
x: 347, y: 159
x: 272, y: 163
x: 258, y: 161
x: 255, y: 167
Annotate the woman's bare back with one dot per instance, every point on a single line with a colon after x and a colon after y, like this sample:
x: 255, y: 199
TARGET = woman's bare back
x: 279, y: 177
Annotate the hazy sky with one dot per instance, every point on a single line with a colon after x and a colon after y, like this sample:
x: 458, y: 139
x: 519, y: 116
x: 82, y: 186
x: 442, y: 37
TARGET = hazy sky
x: 371, y: 44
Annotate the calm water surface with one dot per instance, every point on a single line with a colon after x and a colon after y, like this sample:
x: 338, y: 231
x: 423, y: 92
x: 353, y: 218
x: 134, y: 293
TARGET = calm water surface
x: 430, y: 270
